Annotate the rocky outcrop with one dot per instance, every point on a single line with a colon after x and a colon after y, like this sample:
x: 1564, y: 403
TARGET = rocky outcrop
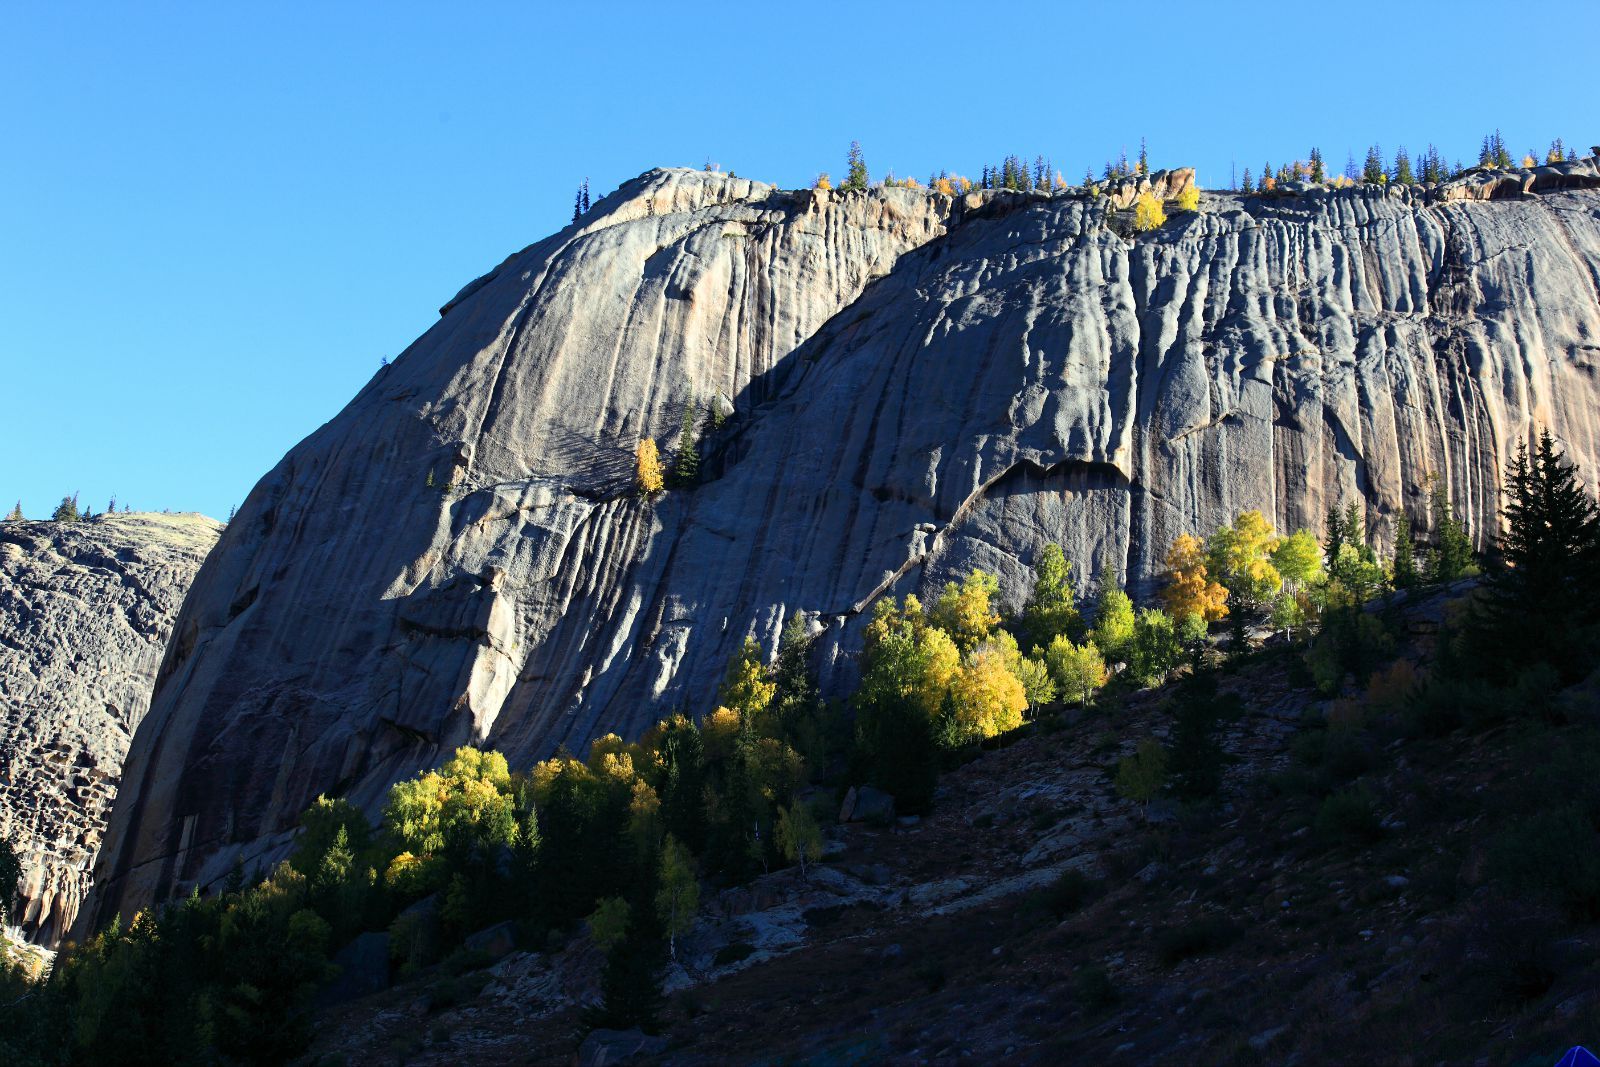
x: 920, y: 384
x: 85, y: 612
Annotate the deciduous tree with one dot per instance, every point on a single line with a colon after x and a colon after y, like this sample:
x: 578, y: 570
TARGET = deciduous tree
x: 965, y: 610
x: 799, y: 837
x: 678, y: 898
x: 1189, y: 590
x: 647, y: 473
x: 1078, y: 670
x: 1148, y: 213
x: 1141, y: 775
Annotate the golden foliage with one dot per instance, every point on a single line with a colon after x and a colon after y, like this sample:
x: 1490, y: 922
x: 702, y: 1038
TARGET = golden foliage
x: 1189, y: 199
x: 720, y: 732
x: 1189, y: 590
x: 988, y: 698
x: 1148, y: 213
x: 747, y: 688
x: 823, y: 181
x: 1240, y: 556
x: 943, y: 187
x: 648, y: 473
x: 965, y: 610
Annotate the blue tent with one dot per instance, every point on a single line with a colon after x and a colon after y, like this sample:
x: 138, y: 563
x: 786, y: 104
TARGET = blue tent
x: 1578, y: 1056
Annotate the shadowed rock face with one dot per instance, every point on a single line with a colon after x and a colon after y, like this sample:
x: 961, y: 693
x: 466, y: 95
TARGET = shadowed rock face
x: 85, y: 612
x: 920, y: 385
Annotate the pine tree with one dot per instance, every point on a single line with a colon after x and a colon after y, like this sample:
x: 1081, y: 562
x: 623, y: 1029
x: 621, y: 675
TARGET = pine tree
x: 1544, y: 585
x: 1318, y: 174
x: 1334, y: 538
x: 1195, y: 756
x: 577, y: 204
x: 1486, y: 153
x: 16, y: 513
x: 1350, y: 170
x: 1144, y: 159
x: 1405, y: 554
x: 1052, y: 609
x: 1452, y: 554
x: 795, y: 709
x: 67, y: 510
x: 1502, y: 155
x: 1266, y: 177
x: 1041, y: 173
x: 1372, y: 172
x: 1402, y: 168
x: 1557, y: 152
x: 686, y: 463
x: 856, y: 169
x: 1248, y: 186
x: 586, y: 195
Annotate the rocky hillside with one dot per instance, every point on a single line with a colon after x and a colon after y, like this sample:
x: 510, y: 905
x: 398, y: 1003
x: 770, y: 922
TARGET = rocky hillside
x: 918, y: 384
x: 85, y: 612
x: 1039, y: 917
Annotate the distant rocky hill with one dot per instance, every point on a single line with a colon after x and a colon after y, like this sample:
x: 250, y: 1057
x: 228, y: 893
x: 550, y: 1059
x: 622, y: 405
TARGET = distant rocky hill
x: 918, y: 384
x: 85, y: 612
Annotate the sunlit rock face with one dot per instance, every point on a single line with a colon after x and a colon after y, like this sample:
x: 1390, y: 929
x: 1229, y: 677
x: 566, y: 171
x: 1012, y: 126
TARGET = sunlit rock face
x: 85, y: 612
x: 919, y: 384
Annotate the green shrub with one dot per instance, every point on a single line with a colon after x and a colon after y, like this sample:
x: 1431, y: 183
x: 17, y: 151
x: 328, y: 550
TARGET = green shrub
x: 1067, y: 894
x: 1555, y: 854
x: 1203, y: 936
x: 1095, y: 989
x: 1350, y: 816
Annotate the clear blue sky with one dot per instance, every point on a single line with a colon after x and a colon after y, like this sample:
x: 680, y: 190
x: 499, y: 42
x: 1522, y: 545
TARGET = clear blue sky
x: 216, y: 218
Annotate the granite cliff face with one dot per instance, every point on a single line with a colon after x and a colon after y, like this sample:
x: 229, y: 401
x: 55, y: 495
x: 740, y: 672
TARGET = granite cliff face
x: 85, y: 612
x: 918, y: 384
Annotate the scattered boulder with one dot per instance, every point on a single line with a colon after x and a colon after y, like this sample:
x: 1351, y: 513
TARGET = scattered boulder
x: 872, y: 805
x: 495, y: 941
x: 602, y: 1048
x: 363, y: 969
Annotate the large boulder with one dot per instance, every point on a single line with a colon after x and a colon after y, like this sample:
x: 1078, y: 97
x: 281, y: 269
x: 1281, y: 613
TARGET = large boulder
x: 363, y: 969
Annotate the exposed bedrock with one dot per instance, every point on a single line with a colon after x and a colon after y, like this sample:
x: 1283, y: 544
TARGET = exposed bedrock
x: 920, y: 384
x: 85, y: 612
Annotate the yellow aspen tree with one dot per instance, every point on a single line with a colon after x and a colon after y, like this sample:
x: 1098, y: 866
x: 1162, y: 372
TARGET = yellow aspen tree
x: 1148, y: 213
x: 647, y: 469
x: 988, y: 698
x: 1189, y: 590
x: 965, y: 611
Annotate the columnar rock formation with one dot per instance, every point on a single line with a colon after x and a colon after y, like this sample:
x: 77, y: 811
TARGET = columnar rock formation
x: 919, y: 384
x: 85, y: 612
